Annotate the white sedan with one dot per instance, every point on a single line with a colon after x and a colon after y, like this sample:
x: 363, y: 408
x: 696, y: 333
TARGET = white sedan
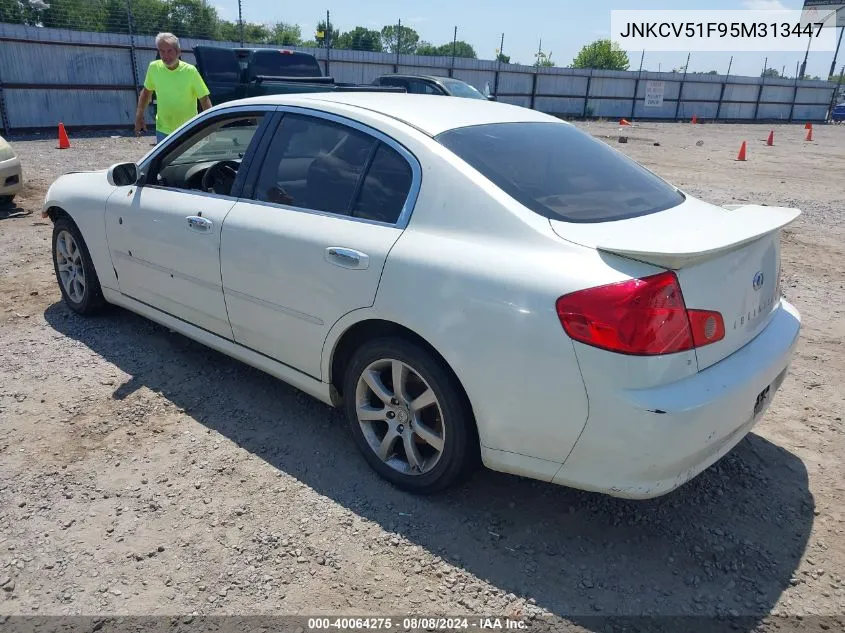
x: 472, y: 282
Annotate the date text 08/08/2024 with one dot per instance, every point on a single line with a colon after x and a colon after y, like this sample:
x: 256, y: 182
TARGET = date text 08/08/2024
x: 413, y: 623
x: 720, y: 29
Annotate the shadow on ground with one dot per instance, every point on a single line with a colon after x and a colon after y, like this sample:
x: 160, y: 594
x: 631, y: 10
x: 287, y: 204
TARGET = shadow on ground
x: 726, y: 543
x: 13, y: 210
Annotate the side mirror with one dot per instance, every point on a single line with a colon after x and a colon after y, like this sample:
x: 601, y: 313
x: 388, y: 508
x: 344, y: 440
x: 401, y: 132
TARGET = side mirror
x: 123, y: 174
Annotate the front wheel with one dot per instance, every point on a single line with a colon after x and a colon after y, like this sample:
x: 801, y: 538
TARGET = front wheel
x: 75, y: 272
x: 408, y: 416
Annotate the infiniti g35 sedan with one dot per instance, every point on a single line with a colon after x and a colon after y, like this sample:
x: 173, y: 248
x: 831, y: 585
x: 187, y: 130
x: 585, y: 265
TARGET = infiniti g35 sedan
x: 473, y: 283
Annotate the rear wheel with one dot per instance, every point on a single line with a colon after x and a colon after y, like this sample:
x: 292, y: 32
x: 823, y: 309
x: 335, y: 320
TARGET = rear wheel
x: 408, y: 417
x: 75, y: 272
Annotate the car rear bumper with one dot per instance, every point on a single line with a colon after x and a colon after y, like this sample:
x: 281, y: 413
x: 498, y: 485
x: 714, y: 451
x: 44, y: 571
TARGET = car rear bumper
x: 644, y: 443
x: 11, y: 178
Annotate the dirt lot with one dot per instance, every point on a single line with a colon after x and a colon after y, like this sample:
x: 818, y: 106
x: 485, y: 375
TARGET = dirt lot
x: 144, y: 474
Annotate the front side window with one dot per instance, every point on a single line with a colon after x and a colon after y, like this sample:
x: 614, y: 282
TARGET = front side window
x: 209, y: 159
x: 320, y: 165
x: 560, y: 172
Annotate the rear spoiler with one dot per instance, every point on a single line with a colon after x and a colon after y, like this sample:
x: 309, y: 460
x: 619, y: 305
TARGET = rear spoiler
x: 703, y: 237
x: 687, y: 234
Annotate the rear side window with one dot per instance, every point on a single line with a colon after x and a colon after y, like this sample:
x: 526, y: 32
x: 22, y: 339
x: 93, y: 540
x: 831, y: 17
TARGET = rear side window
x: 385, y: 187
x: 560, y: 172
x: 314, y: 164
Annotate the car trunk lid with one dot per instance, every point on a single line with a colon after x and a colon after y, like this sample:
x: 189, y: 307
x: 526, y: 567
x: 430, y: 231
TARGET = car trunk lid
x: 725, y: 259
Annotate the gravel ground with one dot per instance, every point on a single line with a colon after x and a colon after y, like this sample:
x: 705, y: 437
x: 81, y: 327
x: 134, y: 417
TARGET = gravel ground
x: 144, y: 474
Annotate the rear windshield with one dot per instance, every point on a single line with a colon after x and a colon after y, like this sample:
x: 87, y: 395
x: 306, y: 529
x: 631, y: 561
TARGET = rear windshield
x: 277, y: 64
x: 560, y: 172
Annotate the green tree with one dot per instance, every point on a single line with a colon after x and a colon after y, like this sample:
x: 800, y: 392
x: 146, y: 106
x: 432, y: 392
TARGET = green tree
x: 602, y: 54
x: 462, y: 49
x: 191, y: 18
x: 83, y: 15
x: 427, y: 49
x: 403, y: 41
x: 254, y: 33
x: 147, y: 15
x: 285, y: 34
x: 360, y: 39
x: 501, y: 57
x: 770, y: 72
x: 18, y: 12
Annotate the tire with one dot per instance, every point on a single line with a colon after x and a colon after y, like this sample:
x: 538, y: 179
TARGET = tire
x: 440, y: 436
x: 6, y: 201
x: 81, y: 291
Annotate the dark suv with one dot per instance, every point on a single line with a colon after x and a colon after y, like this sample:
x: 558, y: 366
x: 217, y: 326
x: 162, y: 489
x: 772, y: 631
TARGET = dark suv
x: 430, y: 85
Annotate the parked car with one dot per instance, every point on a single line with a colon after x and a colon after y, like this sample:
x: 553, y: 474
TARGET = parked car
x: 838, y: 113
x: 431, y: 85
x: 468, y: 280
x: 238, y: 73
x: 11, y: 174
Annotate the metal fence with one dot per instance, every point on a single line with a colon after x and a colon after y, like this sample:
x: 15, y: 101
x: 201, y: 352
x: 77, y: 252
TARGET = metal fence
x: 91, y: 80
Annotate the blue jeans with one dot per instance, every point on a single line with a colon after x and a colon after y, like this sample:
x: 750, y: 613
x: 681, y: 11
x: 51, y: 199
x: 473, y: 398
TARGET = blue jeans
x: 160, y: 136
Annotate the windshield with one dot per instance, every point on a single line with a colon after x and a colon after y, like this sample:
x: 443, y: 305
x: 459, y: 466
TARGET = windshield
x: 228, y: 142
x: 560, y: 172
x: 461, y: 89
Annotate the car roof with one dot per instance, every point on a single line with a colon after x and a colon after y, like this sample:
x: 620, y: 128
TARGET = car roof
x: 431, y: 114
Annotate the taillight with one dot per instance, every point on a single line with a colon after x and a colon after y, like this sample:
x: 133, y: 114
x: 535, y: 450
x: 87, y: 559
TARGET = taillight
x: 639, y: 316
x: 707, y: 327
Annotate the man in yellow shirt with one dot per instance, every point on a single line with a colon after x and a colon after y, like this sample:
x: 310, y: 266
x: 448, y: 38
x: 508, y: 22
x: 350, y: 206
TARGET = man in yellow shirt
x: 177, y: 85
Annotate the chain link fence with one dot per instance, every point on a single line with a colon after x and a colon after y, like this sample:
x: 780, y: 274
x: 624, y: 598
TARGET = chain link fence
x: 82, y: 61
x: 185, y: 18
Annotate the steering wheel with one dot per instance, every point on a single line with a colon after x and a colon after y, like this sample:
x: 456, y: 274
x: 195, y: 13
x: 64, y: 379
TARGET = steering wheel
x: 220, y: 177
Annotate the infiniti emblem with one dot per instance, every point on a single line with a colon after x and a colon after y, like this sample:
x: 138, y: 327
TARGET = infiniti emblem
x: 757, y: 282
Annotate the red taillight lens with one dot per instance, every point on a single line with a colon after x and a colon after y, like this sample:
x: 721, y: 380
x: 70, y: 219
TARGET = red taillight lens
x: 640, y: 316
x: 707, y: 327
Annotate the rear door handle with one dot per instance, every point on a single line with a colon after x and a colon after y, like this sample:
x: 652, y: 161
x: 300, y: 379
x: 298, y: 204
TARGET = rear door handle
x: 199, y: 224
x: 347, y: 258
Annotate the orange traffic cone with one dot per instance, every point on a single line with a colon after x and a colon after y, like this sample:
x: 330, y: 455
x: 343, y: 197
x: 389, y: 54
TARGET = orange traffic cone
x: 741, y: 155
x: 809, y: 134
x: 64, y: 143
x: 624, y: 122
x: 694, y: 119
x: 808, y: 126
x: 771, y: 140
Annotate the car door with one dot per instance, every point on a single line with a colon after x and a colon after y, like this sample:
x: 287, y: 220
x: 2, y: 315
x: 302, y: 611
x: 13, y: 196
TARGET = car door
x: 299, y: 254
x: 164, y: 233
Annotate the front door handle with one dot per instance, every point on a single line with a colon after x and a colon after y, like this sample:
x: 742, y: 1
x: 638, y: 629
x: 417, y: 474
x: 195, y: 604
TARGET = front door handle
x: 347, y: 258
x: 199, y: 224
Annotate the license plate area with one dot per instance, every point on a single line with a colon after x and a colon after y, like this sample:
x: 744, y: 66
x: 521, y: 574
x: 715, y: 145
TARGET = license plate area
x: 762, y: 399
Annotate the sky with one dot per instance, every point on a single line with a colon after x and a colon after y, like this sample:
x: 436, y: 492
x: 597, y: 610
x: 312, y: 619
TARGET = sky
x: 563, y: 26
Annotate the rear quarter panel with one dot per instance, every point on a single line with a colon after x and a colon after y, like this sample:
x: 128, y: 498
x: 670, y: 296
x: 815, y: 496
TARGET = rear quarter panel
x: 479, y: 283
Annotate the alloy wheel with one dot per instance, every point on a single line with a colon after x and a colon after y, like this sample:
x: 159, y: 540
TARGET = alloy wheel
x: 400, y: 417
